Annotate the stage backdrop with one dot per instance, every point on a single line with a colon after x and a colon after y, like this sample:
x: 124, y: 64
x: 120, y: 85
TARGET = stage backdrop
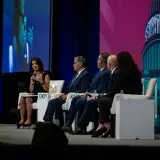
x: 122, y: 26
x: 26, y: 33
x: 0, y: 94
x: 76, y: 33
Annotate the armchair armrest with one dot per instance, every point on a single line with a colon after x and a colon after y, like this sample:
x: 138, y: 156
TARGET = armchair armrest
x: 70, y: 96
x: 93, y: 94
x: 131, y: 96
x: 54, y: 95
x: 118, y: 97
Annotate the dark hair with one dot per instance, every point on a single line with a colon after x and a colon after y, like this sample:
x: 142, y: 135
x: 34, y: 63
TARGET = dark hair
x: 126, y: 61
x: 82, y: 60
x: 104, y: 57
x: 39, y: 62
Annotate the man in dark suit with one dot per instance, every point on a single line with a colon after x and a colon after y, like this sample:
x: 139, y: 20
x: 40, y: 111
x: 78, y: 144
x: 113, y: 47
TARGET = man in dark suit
x: 116, y: 84
x: 79, y: 84
x: 99, y: 84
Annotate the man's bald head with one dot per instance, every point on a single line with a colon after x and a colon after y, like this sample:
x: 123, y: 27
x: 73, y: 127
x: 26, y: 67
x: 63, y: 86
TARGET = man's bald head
x: 112, y: 62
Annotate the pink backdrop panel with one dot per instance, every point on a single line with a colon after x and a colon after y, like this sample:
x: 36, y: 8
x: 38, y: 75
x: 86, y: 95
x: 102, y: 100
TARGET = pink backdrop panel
x: 122, y: 26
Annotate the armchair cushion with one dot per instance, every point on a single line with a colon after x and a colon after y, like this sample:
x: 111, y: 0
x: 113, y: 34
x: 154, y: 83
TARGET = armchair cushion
x: 56, y: 86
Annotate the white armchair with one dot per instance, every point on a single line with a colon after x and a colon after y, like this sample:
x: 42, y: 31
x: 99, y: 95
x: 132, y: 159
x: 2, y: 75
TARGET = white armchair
x: 135, y: 114
x: 55, y: 87
x: 66, y: 107
x: 151, y: 88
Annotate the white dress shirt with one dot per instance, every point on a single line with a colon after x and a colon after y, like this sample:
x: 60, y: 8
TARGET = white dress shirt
x: 113, y: 70
x: 79, y: 72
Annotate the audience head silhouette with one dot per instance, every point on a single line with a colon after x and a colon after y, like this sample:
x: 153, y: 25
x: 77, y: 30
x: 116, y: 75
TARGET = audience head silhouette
x: 112, y: 62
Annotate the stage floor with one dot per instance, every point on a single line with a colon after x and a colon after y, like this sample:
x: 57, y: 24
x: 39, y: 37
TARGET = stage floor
x: 11, y: 135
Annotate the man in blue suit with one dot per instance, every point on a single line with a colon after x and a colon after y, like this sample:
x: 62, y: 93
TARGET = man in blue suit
x: 99, y: 84
x: 79, y: 84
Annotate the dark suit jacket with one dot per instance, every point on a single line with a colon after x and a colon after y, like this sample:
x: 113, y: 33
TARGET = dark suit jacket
x: 80, y: 84
x: 124, y: 80
x: 100, y: 81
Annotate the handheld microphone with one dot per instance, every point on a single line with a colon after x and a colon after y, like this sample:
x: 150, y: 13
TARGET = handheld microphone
x: 34, y: 75
x: 33, y: 80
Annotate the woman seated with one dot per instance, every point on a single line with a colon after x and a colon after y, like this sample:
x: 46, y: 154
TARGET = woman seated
x: 39, y: 82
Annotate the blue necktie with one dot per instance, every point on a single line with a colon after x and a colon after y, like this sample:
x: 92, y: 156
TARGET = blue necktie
x: 75, y: 77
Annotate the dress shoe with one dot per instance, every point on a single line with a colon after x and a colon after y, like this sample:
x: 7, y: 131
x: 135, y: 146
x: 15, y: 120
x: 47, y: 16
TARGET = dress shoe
x: 67, y: 128
x: 99, y: 132
x: 79, y: 131
x: 91, y: 132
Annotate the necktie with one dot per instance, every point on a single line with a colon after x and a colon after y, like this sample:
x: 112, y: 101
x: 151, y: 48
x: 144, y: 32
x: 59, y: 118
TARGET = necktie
x: 75, y: 77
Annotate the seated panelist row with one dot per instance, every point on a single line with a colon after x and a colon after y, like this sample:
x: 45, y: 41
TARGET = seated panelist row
x: 39, y: 82
x: 122, y: 76
x: 80, y: 84
x: 99, y: 84
x: 125, y: 77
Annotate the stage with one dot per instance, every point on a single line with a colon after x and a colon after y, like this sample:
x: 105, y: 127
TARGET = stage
x: 9, y: 134
x: 11, y: 137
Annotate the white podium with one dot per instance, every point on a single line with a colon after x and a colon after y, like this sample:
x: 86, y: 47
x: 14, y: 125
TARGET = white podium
x: 42, y: 103
x: 134, y: 119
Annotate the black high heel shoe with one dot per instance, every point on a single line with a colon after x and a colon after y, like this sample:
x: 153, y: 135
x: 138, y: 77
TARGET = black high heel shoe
x: 99, y: 132
x: 107, y: 133
x: 27, y: 125
x: 19, y: 125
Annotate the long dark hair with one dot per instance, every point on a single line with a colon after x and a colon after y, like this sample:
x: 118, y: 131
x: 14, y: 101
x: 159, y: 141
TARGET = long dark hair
x: 39, y: 62
x: 126, y: 61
